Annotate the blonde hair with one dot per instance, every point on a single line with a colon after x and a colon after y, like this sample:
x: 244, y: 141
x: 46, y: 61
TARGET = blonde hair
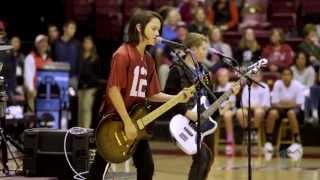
x: 195, y: 40
x: 252, y: 45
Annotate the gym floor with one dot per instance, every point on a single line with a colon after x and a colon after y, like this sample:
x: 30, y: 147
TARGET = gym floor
x: 171, y: 163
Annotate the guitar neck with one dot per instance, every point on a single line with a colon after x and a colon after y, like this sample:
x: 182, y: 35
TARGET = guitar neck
x: 162, y: 109
x: 213, y: 107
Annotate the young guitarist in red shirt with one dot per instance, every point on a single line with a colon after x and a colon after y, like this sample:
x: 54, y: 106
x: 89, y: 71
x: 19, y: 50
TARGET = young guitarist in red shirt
x: 133, y: 79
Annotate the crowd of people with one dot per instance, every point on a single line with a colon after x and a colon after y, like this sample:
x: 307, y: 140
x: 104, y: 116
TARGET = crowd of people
x: 294, y: 70
x: 21, y: 71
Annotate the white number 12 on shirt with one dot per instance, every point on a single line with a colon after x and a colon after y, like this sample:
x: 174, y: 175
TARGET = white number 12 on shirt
x: 138, y: 84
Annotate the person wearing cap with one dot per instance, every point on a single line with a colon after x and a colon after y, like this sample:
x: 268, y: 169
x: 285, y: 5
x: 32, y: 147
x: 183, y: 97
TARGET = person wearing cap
x: 33, y: 62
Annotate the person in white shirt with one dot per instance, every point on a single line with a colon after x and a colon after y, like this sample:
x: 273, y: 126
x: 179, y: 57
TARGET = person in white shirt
x: 302, y: 71
x: 287, y: 98
x: 34, y: 61
x: 260, y: 103
x: 227, y: 109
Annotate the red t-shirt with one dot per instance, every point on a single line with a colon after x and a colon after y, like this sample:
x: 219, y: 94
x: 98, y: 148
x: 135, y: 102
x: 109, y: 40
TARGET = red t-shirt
x: 135, y: 75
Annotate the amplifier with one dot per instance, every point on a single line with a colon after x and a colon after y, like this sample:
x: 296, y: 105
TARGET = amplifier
x: 44, y: 152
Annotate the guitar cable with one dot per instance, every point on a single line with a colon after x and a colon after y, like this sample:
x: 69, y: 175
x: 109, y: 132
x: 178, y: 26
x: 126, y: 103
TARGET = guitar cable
x: 79, y: 175
x: 75, y: 131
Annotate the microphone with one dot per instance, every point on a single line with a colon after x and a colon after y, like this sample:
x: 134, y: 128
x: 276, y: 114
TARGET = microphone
x: 226, y: 59
x: 172, y: 44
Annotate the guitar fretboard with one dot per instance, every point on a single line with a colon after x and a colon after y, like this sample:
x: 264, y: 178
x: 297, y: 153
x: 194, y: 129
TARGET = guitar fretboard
x: 163, y: 108
x: 213, y: 107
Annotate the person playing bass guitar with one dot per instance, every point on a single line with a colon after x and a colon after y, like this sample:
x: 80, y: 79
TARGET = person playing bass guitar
x: 179, y: 78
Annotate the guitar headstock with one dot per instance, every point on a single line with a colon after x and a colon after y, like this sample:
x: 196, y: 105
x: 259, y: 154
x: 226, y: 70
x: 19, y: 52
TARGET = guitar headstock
x: 256, y: 67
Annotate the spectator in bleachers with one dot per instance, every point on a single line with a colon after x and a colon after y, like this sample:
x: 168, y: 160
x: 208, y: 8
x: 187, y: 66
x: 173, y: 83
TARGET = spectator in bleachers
x: 34, y: 61
x: 310, y: 44
x: 249, y: 49
x: 302, y: 71
x: 171, y: 18
x: 67, y: 49
x: 170, y: 24
x: 199, y: 22
x: 7, y: 63
x: 254, y: 14
x: 167, y: 57
x: 224, y: 14
x: 18, y: 59
x: 88, y: 82
x: 305, y: 74
x: 53, y: 34
x: 186, y: 9
x: 286, y: 98
x: 3, y: 33
x: 260, y: 103
x: 227, y: 109
x: 279, y: 54
x: 216, y: 42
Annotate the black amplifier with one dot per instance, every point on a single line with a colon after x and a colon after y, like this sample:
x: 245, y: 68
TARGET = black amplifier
x: 44, y: 152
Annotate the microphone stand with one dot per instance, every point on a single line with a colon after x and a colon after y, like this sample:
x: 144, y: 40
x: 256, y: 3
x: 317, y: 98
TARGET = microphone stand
x: 249, y: 81
x: 198, y: 78
x: 198, y: 96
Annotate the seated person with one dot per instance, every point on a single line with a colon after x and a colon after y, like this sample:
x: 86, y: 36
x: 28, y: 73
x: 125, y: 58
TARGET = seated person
x: 310, y: 44
x: 224, y: 14
x: 260, y: 102
x: 249, y: 50
x: 199, y: 22
x: 279, y: 54
x: 286, y: 98
x: 227, y: 109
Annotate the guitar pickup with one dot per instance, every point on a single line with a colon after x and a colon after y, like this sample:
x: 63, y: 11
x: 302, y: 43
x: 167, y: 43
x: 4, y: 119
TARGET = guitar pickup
x: 188, y: 131
x: 183, y: 137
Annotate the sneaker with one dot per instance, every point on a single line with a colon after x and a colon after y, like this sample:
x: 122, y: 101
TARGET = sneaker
x: 230, y: 149
x: 268, y: 151
x: 295, y: 151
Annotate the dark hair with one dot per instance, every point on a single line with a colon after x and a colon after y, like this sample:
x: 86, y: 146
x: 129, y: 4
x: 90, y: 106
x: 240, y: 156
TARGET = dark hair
x: 287, y: 69
x: 305, y: 55
x: 94, y: 54
x: 142, y: 17
x: 68, y: 22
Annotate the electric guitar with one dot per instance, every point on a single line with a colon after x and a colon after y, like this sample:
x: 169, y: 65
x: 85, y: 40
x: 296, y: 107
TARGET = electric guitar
x: 184, y: 131
x: 112, y: 143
